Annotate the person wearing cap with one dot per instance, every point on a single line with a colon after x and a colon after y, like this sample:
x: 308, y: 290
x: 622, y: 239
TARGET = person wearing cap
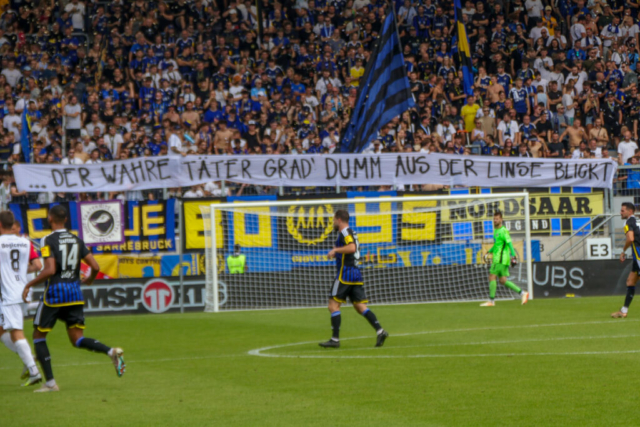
x: 549, y: 21
x: 237, y: 261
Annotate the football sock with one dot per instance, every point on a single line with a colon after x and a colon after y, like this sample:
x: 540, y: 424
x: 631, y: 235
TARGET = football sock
x: 512, y: 286
x: 373, y: 320
x: 335, y: 325
x: 92, y: 345
x: 6, y: 340
x: 24, y: 351
x: 42, y: 353
x: 631, y: 291
x: 492, y: 289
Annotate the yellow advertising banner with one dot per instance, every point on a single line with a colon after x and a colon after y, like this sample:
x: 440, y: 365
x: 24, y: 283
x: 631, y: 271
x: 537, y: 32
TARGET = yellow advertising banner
x: 195, y: 226
x: 541, y: 206
x: 108, y: 265
x: 135, y: 267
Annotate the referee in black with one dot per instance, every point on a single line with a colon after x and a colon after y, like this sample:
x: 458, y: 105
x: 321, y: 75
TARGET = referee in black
x: 63, y: 252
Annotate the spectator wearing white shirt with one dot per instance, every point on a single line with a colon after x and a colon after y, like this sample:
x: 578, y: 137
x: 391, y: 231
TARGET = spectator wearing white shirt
x: 324, y: 82
x: 172, y: 74
x: 590, y: 41
x: 445, y: 130
x: 627, y: 148
x: 95, y: 157
x: 175, y: 145
x: 610, y: 33
x: 534, y: 9
x: 12, y: 74
x: 195, y: 192
x: 630, y: 30
x: 77, y: 12
x: 71, y: 158
x: 374, y: 148
x: 536, y: 32
x: 507, y: 129
x: 596, y: 152
x: 214, y: 189
x: 73, y: 113
x: 580, y: 152
x: 114, y: 141
x: 407, y: 12
x: 578, y: 30
x: 12, y: 122
x: 93, y: 124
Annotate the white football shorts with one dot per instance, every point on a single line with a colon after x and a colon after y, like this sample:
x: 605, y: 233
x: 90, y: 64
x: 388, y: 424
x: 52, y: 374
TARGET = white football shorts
x: 12, y: 317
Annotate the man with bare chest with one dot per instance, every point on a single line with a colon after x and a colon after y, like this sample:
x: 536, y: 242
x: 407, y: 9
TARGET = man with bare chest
x: 222, y: 139
x: 576, y: 134
x: 191, y: 116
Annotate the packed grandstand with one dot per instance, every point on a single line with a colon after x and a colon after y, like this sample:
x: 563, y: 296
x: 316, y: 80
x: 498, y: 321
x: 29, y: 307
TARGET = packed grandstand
x: 103, y: 81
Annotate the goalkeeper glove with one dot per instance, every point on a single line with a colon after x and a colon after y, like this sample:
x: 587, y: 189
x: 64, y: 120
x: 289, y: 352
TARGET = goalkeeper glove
x: 514, y: 261
x: 487, y: 258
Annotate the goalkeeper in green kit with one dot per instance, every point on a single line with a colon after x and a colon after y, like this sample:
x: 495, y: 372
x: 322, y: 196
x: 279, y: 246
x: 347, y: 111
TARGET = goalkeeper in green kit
x: 503, y: 256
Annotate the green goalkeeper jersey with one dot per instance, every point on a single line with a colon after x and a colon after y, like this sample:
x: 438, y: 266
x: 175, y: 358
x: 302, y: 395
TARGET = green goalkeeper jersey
x: 502, y: 249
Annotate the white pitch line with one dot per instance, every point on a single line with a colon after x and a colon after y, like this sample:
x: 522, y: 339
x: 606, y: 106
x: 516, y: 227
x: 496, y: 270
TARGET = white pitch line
x: 261, y: 351
x: 176, y: 359
x: 456, y: 344
x: 437, y: 356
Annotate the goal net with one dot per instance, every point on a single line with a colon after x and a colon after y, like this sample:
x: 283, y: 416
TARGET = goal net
x: 412, y: 249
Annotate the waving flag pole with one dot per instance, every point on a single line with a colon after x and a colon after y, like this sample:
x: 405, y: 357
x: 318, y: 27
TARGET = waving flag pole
x: 463, y: 50
x: 384, y: 91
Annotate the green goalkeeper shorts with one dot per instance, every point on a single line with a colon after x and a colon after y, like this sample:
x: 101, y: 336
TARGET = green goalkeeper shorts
x: 499, y: 270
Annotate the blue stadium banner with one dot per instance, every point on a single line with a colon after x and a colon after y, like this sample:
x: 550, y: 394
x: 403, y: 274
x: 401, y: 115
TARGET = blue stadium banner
x: 384, y: 91
x: 149, y: 226
x: 463, y: 50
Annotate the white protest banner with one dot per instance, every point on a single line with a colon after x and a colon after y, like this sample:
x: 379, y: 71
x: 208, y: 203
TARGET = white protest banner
x: 318, y: 170
x: 142, y: 173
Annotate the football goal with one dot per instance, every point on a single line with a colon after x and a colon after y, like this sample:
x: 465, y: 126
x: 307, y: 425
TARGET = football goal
x: 412, y: 249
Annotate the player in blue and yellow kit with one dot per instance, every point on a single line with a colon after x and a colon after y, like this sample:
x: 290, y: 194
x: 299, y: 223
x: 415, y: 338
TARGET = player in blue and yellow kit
x: 632, y: 234
x: 349, y: 282
x: 63, y: 300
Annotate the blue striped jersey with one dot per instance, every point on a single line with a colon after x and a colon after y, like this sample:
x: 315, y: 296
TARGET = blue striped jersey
x: 63, y: 288
x: 348, y: 271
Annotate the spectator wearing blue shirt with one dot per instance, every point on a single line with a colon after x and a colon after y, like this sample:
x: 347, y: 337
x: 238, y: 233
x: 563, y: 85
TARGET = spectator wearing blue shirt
x: 213, y: 113
x: 147, y: 92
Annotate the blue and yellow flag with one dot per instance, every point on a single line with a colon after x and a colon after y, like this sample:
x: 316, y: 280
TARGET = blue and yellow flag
x: 25, y: 136
x: 463, y: 50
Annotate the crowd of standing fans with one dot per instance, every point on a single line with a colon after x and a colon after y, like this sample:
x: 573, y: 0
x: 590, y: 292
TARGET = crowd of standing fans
x: 102, y: 81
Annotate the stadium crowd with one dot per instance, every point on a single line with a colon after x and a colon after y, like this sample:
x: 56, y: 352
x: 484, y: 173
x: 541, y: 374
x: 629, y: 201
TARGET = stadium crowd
x: 122, y: 79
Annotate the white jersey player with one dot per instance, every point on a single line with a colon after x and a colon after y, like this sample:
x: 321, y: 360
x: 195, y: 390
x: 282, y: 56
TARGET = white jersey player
x: 30, y: 306
x: 17, y: 259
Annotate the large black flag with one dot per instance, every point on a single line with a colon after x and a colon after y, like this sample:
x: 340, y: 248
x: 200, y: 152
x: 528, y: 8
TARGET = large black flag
x: 384, y: 91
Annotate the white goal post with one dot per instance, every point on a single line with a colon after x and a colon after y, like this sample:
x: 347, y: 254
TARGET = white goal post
x: 412, y: 249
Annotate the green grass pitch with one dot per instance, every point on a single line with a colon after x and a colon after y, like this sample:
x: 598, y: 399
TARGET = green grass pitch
x: 550, y: 363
